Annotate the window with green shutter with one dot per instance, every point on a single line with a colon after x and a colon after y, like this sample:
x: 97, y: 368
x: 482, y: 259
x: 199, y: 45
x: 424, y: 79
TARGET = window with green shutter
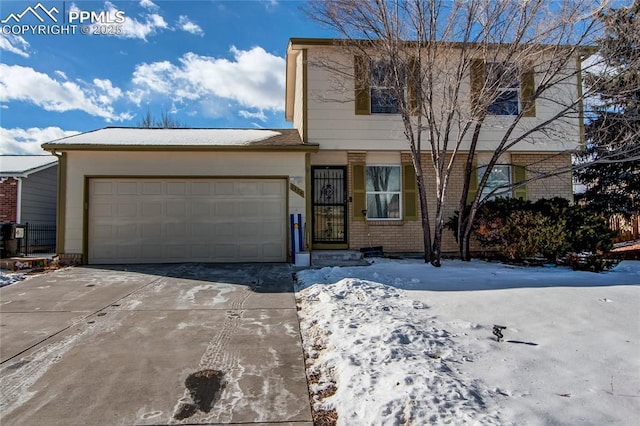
x: 409, y: 191
x: 361, y: 83
x: 527, y: 92
x: 514, y: 93
x: 473, y: 183
x: 359, y: 191
x: 379, y: 87
x: 519, y: 175
x: 384, y: 191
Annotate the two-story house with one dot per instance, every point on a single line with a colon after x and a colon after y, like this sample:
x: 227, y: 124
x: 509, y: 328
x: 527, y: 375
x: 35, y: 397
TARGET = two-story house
x: 362, y: 178
x: 130, y: 195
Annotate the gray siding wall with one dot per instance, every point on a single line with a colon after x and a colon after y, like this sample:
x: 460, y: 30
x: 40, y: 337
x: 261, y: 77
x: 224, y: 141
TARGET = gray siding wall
x: 39, y: 193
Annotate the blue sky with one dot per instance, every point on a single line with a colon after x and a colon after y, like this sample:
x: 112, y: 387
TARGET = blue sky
x: 208, y: 63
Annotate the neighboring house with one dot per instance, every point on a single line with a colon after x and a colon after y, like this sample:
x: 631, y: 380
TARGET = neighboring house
x: 28, y: 188
x: 131, y: 195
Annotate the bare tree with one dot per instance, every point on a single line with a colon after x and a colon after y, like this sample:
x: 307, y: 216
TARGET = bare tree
x: 166, y: 121
x: 447, y: 64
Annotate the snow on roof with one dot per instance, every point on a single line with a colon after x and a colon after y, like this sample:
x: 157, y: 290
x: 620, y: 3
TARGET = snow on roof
x: 127, y: 136
x: 13, y: 165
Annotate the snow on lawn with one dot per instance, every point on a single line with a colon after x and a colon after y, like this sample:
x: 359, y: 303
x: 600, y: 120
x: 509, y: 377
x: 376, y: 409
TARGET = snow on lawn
x: 6, y: 279
x: 401, y: 342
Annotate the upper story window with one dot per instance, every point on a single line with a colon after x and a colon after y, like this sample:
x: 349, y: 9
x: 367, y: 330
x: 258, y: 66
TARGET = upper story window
x: 383, y: 185
x: 380, y: 86
x: 511, y: 89
x: 383, y: 84
x: 507, y: 84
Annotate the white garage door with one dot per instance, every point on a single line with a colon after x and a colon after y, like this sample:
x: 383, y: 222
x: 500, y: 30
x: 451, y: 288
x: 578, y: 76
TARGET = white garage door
x: 186, y: 220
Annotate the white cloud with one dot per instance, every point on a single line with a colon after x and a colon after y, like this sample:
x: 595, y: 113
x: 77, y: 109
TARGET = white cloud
x: 254, y: 79
x: 61, y: 74
x: 14, y: 44
x: 18, y: 83
x: 248, y: 114
x: 132, y: 28
x: 148, y: 4
x: 28, y: 141
x: 186, y: 25
x: 155, y: 77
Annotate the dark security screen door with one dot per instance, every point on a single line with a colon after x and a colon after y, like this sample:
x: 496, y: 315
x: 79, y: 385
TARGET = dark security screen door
x: 329, y: 205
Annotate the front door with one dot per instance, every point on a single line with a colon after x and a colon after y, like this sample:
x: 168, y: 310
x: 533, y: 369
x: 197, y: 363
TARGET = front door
x: 329, y: 206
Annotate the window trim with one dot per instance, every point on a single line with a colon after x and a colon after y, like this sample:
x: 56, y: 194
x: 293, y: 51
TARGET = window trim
x: 504, y: 193
x: 515, y: 88
x: 374, y: 86
x: 399, y: 193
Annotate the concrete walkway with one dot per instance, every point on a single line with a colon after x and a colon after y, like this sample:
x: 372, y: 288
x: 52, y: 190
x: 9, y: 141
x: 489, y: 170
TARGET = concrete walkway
x: 152, y: 344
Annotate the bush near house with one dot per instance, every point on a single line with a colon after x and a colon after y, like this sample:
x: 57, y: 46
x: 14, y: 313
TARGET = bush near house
x: 548, y: 230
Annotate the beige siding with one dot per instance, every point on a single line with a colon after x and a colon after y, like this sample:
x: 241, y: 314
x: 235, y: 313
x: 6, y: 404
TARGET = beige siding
x: 333, y: 124
x: 170, y: 164
x: 298, y: 111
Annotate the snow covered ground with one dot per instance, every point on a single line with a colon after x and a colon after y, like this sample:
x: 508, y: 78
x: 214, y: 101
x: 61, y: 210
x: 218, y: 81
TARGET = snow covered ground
x: 7, y: 278
x: 401, y: 342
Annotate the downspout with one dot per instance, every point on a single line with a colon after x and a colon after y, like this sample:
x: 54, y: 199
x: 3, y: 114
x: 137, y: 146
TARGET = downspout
x: 60, y: 213
x: 18, y: 199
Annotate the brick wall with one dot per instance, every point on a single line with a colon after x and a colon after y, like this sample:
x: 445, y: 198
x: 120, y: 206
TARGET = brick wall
x: 540, y: 164
x: 8, y: 200
x: 406, y: 236
x: 70, y: 259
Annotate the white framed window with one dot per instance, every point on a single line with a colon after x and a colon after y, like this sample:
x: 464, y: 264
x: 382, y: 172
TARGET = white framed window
x: 384, y: 99
x: 384, y: 190
x: 505, y: 80
x: 500, y: 177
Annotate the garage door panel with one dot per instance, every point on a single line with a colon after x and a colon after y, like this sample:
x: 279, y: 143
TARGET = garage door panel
x: 224, y: 188
x: 200, y: 208
x: 102, y: 210
x: 176, y: 208
x: 175, y: 231
x: 200, y: 188
x: 128, y: 188
x: 249, y: 209
x: 151, y: 209
x: 246, y: 188
x: 224, y: 208
x: 126, y: 231
x: 272, y: 208
x: 272, y: 188
x: 102, y: 188
x: 177, y: 188
x: 181, y: 220
x: 102, y: 231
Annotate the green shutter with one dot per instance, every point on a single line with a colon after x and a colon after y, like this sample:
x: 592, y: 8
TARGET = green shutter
x: 409, y: 191
x: 527, y: 92
x: 473, y: 183
x: 361, y: 84
x: 414, y: 86
x: 478, y: 75
x: 519, y: 175
x: 359, y: 190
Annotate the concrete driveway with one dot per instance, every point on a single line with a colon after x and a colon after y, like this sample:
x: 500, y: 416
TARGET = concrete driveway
x: 152, y: 344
